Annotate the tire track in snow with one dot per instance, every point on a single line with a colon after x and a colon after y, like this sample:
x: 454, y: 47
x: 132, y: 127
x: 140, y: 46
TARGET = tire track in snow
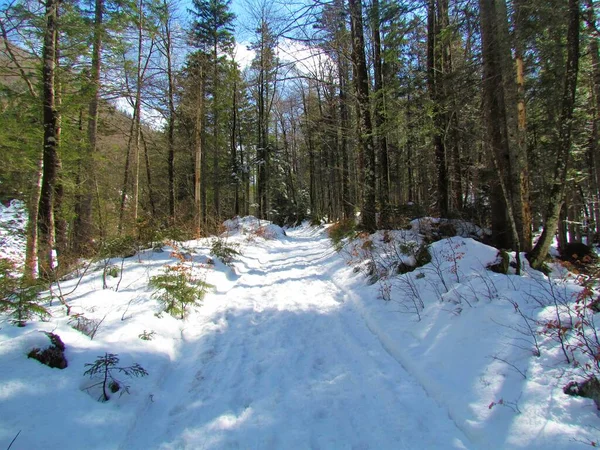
x: 285, y: 363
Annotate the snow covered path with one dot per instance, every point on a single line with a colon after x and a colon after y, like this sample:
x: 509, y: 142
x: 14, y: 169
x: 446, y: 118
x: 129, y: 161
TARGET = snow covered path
x: 281, y: 359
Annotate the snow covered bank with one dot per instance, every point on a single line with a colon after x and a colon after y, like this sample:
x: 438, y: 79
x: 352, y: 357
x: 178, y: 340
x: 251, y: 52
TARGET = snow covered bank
x: 293, y: 349
x: 477, y: 342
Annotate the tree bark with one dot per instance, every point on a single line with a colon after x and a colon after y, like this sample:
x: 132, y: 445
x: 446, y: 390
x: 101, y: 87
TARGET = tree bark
x: 365, y: 128
x: 380, y: 119
x: 50, y: 143
x: 556, y: 198
x: 83, y: 222
x: 171, y: 106
x: 31, y: 246
x: 198, y: 155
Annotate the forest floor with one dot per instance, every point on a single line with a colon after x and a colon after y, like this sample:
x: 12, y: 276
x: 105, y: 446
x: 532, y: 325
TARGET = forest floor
x: 292, y: 349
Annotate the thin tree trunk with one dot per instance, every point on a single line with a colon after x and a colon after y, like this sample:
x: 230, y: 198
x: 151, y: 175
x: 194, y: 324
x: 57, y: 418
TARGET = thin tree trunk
x: 215, y: 100
x: 83, y: 222
x: 60, y: 223
x: 172, y: 112
x: 31, y: 247
x: 234, y: 159
x: 365, y: 128
x: 594, y: 156
x: 50, y: 152
x: 556, y: 198
x: 137, y: 115
x: 380, y: 119
x: 148, y: 176
x: 435, y: 88
x: 199, y: 157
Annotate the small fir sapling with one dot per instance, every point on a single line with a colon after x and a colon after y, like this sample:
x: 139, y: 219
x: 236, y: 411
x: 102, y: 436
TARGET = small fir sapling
x: 177, y: 288
x: 105, y: 368
x: 224, y: 251
x: 19, y: 295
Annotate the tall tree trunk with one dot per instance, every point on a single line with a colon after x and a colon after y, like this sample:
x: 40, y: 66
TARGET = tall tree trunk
x: 556, y: 198
x: 235, y: 168
x: 514, y: 93
x: 594, y: 149
x: 137, y: 115
x: 380, y: 119
x: 435, y: 81
x: 365, y: 128
x: 151, y: 195
x: 172, y: 112
x: 50, y: 151
x: 84, y: 227
x: 31, y: 246
x: 60, y: 223
x: 215, y: 100
x: 511, y: 222
x: 198, y: 156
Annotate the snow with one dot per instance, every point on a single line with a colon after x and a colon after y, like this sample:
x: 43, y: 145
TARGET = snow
x: 294, y: 349
x: 13, y: 220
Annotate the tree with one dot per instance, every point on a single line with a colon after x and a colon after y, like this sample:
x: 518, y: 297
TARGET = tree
x: 51, y: 122
x: 83, y: 223
x: 365, y: 128
x: 265, y: 66
x: 213, y: 32
x: 380, y: 115
x: 556, y: 197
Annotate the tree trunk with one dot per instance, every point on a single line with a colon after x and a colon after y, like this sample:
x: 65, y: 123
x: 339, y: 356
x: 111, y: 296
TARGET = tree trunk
x: 83, y: 228
x: 198, y: 156
x: 172, y: 112
x: 509, y: 227
x: 365, y: 128
x: 215, y: 100
x: 556, y: 198
x: 234, y: 159
x: 137, y: 115
x: 435, y: 82
x: 31, y: 247
x: 380, y: 119
x: 50, y: 151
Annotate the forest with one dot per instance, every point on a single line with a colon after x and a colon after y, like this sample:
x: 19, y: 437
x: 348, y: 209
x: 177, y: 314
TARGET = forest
x: 138, y: 118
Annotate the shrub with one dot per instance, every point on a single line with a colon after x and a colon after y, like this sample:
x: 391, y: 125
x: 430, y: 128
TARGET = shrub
x: 341, y: 230
x: 224, y: 251
x: 19, y: 296
x: 105, y: 368
x: 177, y: 289
x: 89, y: 327
x: 117, y: 247
x: 147, y: 335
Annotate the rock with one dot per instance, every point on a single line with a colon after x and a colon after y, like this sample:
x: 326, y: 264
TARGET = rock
x: 502, y: 263
x: 52, y: 356
x: 588, y: 388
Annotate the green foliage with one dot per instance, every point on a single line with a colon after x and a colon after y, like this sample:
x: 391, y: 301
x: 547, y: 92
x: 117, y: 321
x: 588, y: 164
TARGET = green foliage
x: 501, y: 264
x: 224, y: 251
x: 340, y: 230
x: 147, y: 335
x: 177, y: 290
x: 19, y: 296
x: 105, y: 368
x: 117, y: 247
x: 422, y: 256
x: 113, y: 271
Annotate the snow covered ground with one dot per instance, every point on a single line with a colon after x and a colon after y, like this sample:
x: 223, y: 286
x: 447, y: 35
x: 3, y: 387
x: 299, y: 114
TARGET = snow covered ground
x: 293, y: 349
